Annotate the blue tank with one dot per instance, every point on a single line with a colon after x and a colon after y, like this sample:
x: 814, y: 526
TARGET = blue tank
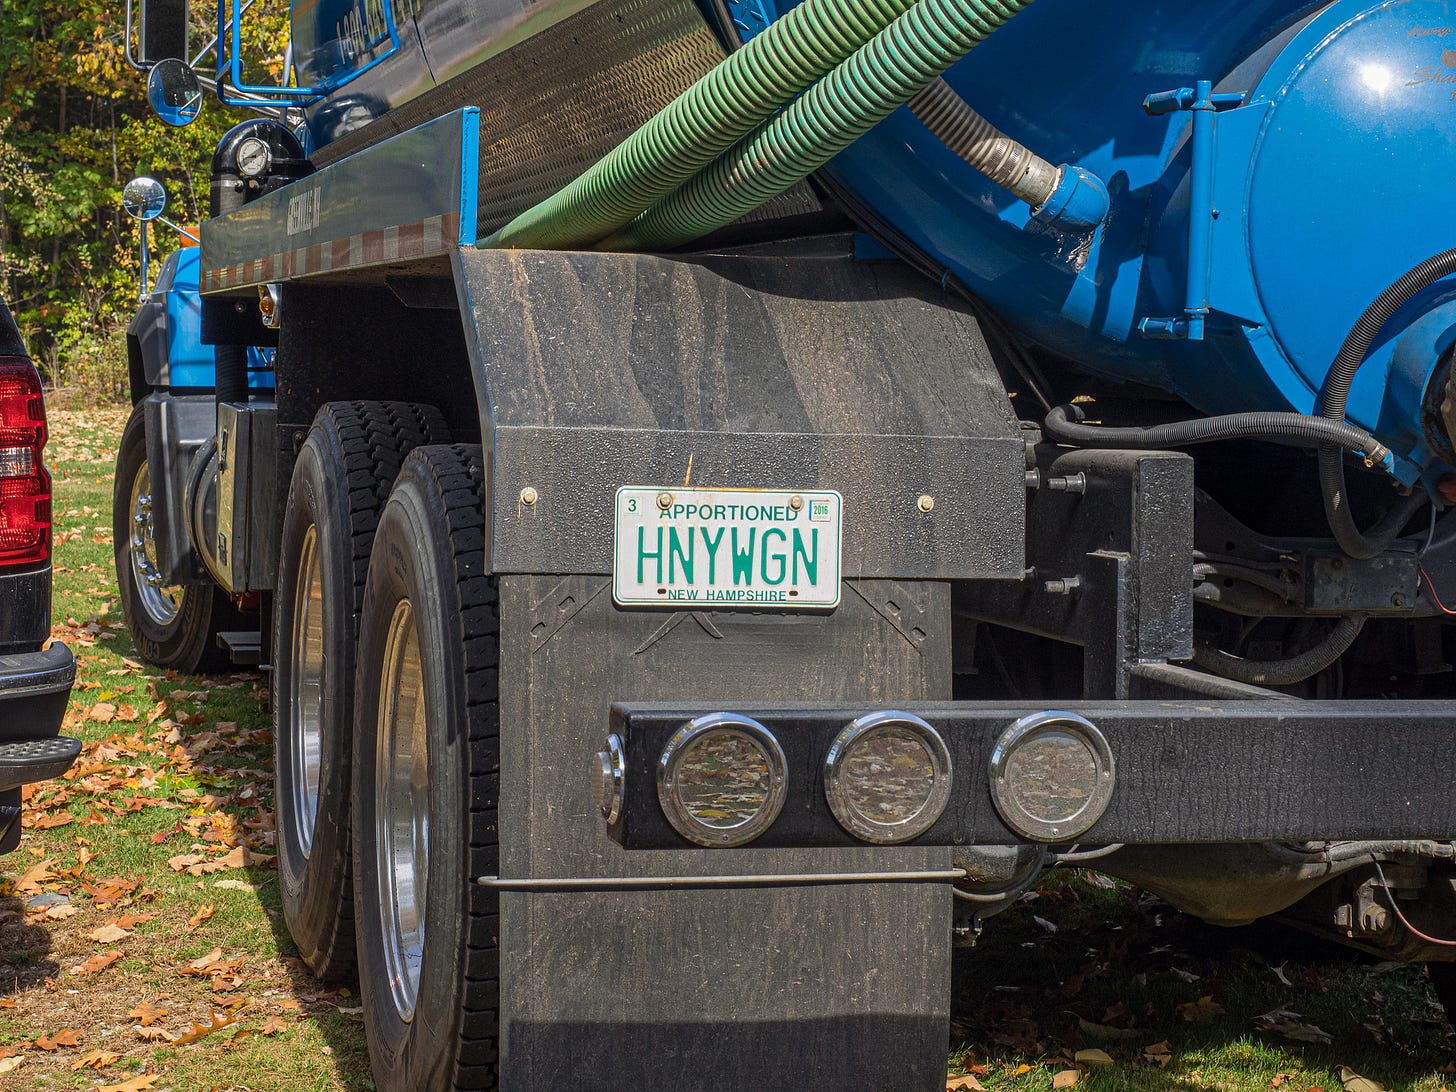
x: 1272, y: 167
x: 1324, y: 177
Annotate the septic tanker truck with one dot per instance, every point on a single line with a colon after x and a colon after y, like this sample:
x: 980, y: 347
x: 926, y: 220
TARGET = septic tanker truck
x: 730, y: 491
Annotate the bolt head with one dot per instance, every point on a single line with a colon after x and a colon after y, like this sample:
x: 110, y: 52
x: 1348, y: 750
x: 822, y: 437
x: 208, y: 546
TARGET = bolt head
x: 796, y: 502
x: 664, y: 501
x: 925, y: 502
x: 528, y: 495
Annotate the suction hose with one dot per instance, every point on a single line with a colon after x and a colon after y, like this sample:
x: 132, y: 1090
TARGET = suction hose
x: 1065, y: 197
x: 878, y: 78
x: 1352, y: 354
x: 682, y: 138
x: 1064, y: 424
x: 1281, y: 672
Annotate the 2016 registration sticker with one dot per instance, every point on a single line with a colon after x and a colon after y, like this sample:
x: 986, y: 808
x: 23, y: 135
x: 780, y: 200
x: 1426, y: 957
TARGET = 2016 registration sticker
x: 726, y: 548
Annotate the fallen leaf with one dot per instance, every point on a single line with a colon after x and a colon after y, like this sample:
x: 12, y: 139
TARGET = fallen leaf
x: 1353, y: 1082
x: 1048, y: 926
x: 97, y: 1059
x: 13, y: 1063
x: 1106, y: 1031
x: 1021, y: 1070
x: 108, y: 934
x: 1201, y: 1011
x: 66, y: 1037
x: 273, y: 1025
x: 147, y: 1013
x: 1279, y: 1079
x: 156, y: 1035
x: 1158, y: 1054
x: 1066, y: 1078
x: 1092, y: 1056
x: 203, y: 962
x: 234, y: 885
x: 956, y: 1084
x: 220, y: 1020
x: 136, y: 1084
x: 102, y: 711
x: 1279, y: 974
x: 203, y: 913
x: 99, y: 962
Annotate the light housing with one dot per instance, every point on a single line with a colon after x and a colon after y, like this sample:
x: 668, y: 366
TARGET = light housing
x: 722, y: 779
x: 25, y: 487
x: 887, y: 777
x: 611, y: 779
x: 1052, y: 775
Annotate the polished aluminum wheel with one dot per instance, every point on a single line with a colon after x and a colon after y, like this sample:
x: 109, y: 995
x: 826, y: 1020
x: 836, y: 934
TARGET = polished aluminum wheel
x: 402, y: 809
x: 159, y: 602
x: 305, y: 690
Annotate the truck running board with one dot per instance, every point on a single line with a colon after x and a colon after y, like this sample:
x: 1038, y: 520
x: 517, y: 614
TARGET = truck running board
x: 36, y: 760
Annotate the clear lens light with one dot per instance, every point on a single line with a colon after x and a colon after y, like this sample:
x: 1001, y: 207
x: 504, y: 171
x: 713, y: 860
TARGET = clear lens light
x: 17, y: 462
x: 887, y: 777
x: 721, y: 780
x: 1052, y: 776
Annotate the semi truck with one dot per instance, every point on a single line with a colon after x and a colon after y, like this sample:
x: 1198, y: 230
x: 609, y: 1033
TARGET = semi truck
x: 730, y: 491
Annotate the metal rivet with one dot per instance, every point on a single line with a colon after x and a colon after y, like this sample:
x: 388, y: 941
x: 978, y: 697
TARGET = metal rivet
x: 926, y: 502
x: 528, y: 495
x: 796, y: 502
x: 664, y: 501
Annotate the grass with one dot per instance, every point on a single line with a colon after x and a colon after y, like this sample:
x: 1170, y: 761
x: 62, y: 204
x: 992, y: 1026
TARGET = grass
x: 177, y: 775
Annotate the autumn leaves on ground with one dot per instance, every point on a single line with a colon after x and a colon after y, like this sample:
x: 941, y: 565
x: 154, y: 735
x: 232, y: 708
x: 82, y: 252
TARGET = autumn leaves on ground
x: 142, y: 948
x: 141, y: 945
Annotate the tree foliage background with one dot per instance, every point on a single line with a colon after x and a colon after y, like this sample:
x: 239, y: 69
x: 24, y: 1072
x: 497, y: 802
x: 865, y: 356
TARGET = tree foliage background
x: 74, y: 127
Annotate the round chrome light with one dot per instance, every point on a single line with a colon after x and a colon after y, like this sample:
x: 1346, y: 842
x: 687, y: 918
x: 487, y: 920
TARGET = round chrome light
x: 1052, y: 775
x: 887, y: 777
x: 611, y: 778
x: 722, y: 779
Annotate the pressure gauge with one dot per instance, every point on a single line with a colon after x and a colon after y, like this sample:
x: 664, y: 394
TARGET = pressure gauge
x: 253, y: 157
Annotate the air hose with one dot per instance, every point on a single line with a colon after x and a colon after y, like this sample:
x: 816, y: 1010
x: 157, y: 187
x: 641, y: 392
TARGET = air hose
x: 1066, y: 197
x: 1352, y: 354
x: 1064, y: 424
x: 877, y: 79
x: 1280, y: 672
x: 771, y: 68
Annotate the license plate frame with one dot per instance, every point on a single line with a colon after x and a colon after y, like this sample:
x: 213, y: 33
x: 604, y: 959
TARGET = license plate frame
x: 698, y: 557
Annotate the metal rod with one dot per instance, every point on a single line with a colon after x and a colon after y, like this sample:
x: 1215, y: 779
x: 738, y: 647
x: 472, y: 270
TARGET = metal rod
x: 179, y: 229
x: 591, y: 883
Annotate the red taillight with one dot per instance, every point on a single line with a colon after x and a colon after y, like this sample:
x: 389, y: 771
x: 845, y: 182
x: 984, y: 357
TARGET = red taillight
x: 25, y: 487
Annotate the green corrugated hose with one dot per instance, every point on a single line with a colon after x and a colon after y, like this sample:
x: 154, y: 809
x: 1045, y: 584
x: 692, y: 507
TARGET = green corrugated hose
x: 881, y: 76
x: 676, y: 143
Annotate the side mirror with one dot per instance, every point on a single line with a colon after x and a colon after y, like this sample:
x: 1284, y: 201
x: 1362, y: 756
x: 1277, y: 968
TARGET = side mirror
x: 163, y: 30
x: 174, y: 92
x: 144, y: 198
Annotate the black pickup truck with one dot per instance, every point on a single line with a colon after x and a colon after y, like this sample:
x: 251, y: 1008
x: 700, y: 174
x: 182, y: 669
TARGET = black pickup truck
x: 35, y: 681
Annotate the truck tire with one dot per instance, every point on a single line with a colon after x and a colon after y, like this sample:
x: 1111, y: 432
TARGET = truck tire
x: 341, y: 480
x: 173, y: 627
x: 426, y: 774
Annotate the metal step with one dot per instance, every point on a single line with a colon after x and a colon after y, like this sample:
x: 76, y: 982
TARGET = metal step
x: 36, y: 760
x: 244, y: 646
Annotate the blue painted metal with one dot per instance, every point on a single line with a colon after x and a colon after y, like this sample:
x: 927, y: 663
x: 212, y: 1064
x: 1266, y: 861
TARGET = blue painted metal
x: 1203, y: 102
x: 191, y: 363
x: 1326, y: 184
x: 358, y: 53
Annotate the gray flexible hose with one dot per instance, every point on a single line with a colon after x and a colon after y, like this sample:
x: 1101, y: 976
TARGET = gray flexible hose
x: 1280, y: 672
x: 1004, y: 161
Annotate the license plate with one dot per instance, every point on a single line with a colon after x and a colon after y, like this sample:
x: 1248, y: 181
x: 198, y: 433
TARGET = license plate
x: 727, y: 548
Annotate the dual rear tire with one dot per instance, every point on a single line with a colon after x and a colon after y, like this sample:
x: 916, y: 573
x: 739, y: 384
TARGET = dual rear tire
x: 386, y: 744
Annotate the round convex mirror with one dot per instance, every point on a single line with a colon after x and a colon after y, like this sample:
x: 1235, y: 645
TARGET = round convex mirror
x: 144, y: 198
x: 174, y: 92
